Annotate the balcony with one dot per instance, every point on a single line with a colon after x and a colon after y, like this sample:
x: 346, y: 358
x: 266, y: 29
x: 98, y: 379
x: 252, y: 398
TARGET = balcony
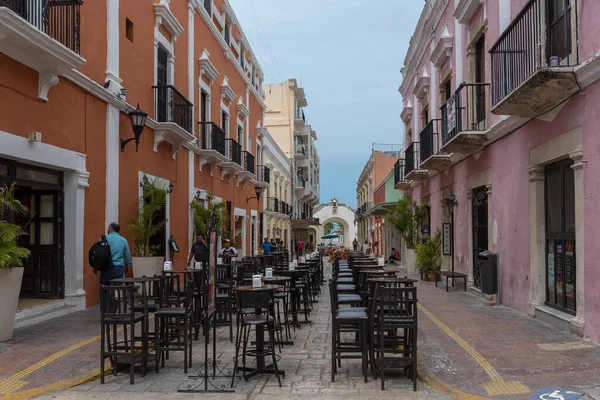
x: 263, y: 176
x: 464, y: 119
x: 211, y: 145
x: 400, y: 182
x: 233, y: 165
x: 432, y: 158
x: 174, y: 118
x: 413, y: 162
x: 299, y: 184
x: 273, y: 204
x: 532, y: 60
x: 299, y: 118
x: 248, y: 172
x: 44, y: 35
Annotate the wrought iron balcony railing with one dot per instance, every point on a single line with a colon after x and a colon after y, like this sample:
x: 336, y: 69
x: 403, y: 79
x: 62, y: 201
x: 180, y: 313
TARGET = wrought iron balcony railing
x: 212, y: 137
x: 411, y: 157
x: 235, y: 152
x: 540, y: 36
x: 429, y: 139
x: 300, y: 181
x: 273, y: 204
x: 466, y: 110
x: 172, y: 106
x: 263, y: 174
x: 399, y: 172
x: 59, y: 19
x: 249, y: 162
x: 299, y: 114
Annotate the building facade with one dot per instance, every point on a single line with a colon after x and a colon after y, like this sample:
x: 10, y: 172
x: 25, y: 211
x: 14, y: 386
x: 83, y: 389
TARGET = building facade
x: 499, y: 113
x: 339, y: 214
x: 286, y: 121
x: 375, y: 170
x: 385, y: 198
x: 277, y: 200
x: 188, y: 65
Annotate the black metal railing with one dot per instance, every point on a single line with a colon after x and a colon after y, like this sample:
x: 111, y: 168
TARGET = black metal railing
x: 249, y: 161
x: 300, y: 181
x: 466, y: 110
x: 300, y: 149
x: 411, y: 156
x: 172, y: 106
x: 59, y: 19
x: 304, y: 215
x: 208, y: 5
x: 399, y: 172
x: 535, y: 39
x: 235, y: 152
x: 263, y: 174
x: 273, y: 204
x: 212, y: 137
x: 299, y: 114
x: 429, y: 139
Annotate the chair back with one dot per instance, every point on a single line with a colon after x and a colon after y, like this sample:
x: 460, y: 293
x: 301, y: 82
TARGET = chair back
x: 333, y: 296
x: 189, y: 294
x: 245, y: 270
x: 223, y: 275
x: 257, y: 300
x: 395, y: 306
x: 119, y: 301
x: 169, y: 289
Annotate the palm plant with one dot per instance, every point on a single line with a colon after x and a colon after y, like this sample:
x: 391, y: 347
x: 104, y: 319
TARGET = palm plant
x: 203, y: 215
x: 406, y: 219
x: 147, y: 223
x: 11, y: 255
x: 429, y: 256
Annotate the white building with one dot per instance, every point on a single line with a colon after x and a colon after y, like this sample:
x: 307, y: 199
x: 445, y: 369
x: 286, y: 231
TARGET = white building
x: 339, y: 213
x: 277, y: 198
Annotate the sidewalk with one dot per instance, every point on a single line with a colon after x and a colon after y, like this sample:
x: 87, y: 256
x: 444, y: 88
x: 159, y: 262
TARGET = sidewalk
x: 478, y: 348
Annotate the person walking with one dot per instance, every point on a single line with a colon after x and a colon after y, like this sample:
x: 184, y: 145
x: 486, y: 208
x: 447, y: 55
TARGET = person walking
x: 355, y: 244
x: 199, y: 252
x: 120, y: 254
x: 228, y: 252
x: 300, y: 247
x: 266, y: 246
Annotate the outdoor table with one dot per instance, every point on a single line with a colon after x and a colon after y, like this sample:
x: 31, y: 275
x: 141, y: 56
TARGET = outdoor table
x: 141, y: 279
x: 261, y: 368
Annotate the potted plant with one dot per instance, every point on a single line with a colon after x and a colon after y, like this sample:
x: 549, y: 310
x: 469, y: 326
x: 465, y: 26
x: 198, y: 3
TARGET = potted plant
x: 11, y: 260
x: 429, y: 256
x: 406, y: 218
x: 145, y: 225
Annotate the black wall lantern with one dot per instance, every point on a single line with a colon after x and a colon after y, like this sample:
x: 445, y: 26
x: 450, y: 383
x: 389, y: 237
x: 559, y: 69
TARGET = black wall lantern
x: 171, y: 187
x: 258, y: 190
x: 138, y: 121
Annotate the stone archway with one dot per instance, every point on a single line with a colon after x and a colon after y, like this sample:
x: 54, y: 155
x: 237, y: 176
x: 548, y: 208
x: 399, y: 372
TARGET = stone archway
x: 347, y: 238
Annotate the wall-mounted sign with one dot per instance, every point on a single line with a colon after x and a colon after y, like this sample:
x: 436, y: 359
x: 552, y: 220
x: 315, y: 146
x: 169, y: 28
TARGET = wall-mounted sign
x: 447, y: 238
x: 450, y: 115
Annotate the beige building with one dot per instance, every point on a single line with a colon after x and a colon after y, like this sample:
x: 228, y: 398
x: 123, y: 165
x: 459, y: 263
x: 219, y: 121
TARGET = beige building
x: 286, y: 122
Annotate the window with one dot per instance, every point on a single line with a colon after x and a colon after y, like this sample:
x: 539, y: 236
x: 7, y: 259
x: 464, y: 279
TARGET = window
x: 226, y: 33
x: 480, y: 102
x: 161, y: 81
x: 560, y: 236
x: 129, y: 29
x: 242, y: 57
x: 208, y: 6
x: 559, y: 32
x: 240, y: 135
x: 448, y: 89
x: 424, y: 117
x: 225, y: 122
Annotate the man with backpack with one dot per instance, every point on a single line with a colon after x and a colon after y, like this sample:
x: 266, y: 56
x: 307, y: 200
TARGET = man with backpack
x: 110, y: 255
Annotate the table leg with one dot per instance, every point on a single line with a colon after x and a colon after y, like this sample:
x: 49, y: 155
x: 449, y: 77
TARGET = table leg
x: 465, y: 282
x: 446, y: 283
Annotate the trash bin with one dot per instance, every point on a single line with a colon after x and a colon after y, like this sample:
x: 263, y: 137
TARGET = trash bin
x: 488, y: 269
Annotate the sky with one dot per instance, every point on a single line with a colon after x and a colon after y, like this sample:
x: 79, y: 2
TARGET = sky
x: 347, y: 55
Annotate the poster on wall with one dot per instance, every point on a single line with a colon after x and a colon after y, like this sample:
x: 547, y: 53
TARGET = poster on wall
x: 450, y: 115
x: 212, y: 262
x: 447, y: 239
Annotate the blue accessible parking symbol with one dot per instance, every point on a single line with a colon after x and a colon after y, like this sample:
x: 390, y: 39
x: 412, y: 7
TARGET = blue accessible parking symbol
x: 556, y: 394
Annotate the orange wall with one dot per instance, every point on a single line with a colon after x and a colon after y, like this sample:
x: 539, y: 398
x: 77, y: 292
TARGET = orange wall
x: 382, y: 165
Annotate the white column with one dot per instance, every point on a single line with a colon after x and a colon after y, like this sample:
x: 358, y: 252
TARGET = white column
x: 434, y: 91
x: 112, y: 44
x: 113, y: 148
x: 75, y: 184
x: 537, y: 238
x: 458, y: 53
x: 578, y: 323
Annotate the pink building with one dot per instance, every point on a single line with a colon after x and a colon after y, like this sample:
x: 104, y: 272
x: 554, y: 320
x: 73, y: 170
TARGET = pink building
x: 501, y: 103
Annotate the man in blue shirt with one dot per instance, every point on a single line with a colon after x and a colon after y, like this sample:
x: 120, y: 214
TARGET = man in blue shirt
x: 121, y: 257
x: 266, y: 246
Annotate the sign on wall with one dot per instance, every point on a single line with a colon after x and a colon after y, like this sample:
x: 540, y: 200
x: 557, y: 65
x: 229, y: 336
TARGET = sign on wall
x: 450, y: 115
x: 447, y: 238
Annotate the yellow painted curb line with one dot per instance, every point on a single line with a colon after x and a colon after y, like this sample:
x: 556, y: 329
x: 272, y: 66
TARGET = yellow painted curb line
x: 56, y: 386
x: 430, y: 379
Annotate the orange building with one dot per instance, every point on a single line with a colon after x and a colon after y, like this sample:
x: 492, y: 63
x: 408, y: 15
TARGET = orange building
x: 70, y: 75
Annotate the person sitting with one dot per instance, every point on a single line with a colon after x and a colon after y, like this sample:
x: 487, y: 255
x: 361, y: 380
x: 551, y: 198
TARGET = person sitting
x: 394, y: 256
x: 228, y: 252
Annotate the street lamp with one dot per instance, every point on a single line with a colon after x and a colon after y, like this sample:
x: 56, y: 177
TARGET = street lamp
x: 138, y: 120
x: 258, y: 190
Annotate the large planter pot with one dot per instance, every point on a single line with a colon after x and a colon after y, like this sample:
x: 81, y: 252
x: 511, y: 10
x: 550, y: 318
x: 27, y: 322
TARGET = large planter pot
x: 10, y: 286
x: 430, y: 276
x: 146, y: 266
